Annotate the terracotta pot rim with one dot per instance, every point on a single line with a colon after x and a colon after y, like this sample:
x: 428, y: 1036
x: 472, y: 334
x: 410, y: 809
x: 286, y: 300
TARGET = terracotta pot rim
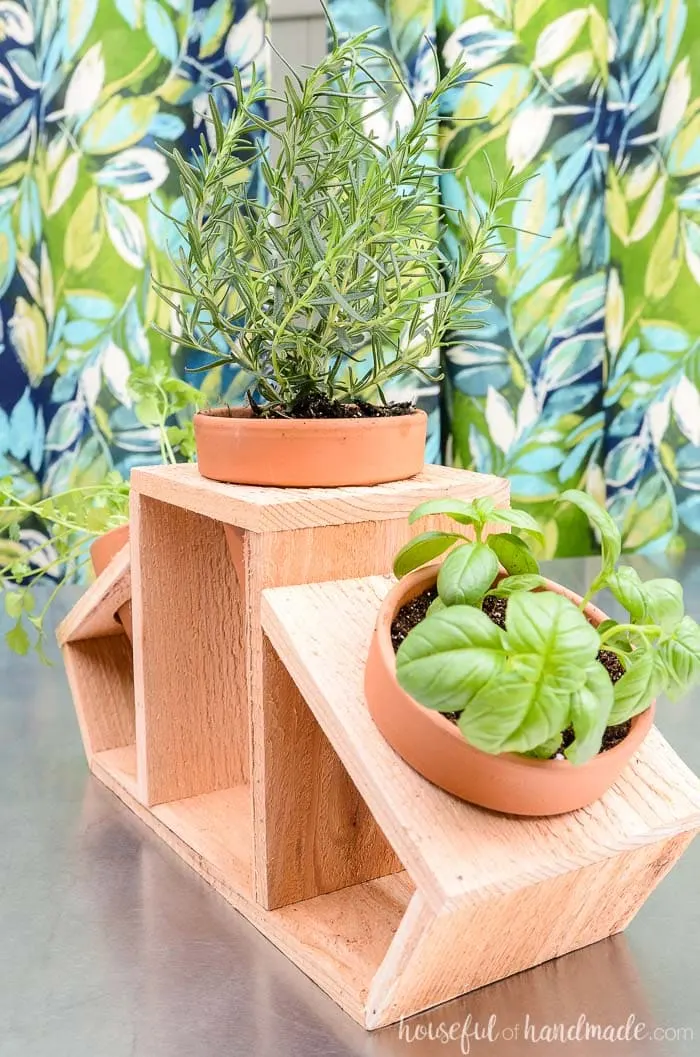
x: 107, y: 545
x: 412, y: 585
x: 235, y: 447
x: 224, y: 415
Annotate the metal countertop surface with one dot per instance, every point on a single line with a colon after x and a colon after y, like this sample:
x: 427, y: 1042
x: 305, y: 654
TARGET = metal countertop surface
x: 110, y: 946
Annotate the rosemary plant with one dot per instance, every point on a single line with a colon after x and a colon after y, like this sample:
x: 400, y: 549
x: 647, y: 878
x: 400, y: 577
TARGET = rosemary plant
x: 333, y: 283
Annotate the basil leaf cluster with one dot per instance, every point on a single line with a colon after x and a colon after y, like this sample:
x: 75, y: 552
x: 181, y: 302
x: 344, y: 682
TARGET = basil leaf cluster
x: 516, y: 690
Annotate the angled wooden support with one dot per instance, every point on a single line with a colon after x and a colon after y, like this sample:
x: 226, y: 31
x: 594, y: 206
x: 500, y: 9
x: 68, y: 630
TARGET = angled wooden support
x: 99, y: 666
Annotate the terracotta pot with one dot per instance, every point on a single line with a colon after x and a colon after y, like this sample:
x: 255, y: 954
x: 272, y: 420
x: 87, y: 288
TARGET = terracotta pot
x: 106, y: 547
x: 235, y: 447
x: 434, y: 746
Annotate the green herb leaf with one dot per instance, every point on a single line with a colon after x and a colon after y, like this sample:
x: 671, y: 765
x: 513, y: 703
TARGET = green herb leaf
x: 610, y: 540
x: 14, y: 604
x: 18, y: 640
x: 513, y: 553
x: 680, y: 656
x: 628, y: 589
x: 147, y: 411
x: 638, y: 687
x: 513, y: 713
x: 546, y: 750
x: 485, y: 508
x: 525, y: 582
x: 449, y: 656
x: 457, y: 509
x: 518, y: 519
x: 663, y: 600
x: 466, y: 574
x: 436, y: 606
x: 549, y: 646
x: 589, y: 710
x: 550, y: 626
x: 422, y: 549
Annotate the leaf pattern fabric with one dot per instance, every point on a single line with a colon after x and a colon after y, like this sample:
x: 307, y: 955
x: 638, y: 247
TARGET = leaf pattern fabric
x: 93, y: 94
x: 587, y: 372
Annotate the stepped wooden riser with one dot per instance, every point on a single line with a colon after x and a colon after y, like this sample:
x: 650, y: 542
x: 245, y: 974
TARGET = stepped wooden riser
x: 237, y: 731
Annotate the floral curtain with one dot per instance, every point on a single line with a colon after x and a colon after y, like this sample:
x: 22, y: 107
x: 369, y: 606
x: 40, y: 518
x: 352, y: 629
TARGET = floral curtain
x: 587, y: 372
x: 92, y: 92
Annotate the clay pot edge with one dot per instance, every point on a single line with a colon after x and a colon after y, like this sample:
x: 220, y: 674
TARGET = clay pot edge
x: 107, y: 545
x: 218, y: 416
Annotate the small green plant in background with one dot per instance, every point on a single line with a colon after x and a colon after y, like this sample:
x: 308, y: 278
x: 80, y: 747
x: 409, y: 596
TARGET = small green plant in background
x: 73, y: 519
x: 518, y: 689
x: 333, y: 283
x: 32, y: 576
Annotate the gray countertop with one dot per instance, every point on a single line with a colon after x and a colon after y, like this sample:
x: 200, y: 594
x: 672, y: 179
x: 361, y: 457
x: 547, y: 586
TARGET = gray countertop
x: 111, y: 947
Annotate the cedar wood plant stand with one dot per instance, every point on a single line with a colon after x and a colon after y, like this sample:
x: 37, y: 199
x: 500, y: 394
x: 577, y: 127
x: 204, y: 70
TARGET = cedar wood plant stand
x: 237, y: 730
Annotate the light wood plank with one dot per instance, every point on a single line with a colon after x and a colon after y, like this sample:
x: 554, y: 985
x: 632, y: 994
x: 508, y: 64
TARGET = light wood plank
x: 217, y: 826
x: 100, y: 675
x: 281, y: 509
x: 331, y: 839
x: 453, y: 850
x: 120, y: 764
x: 93, y: 614
x: 314, y: 832
x: 192, y: 731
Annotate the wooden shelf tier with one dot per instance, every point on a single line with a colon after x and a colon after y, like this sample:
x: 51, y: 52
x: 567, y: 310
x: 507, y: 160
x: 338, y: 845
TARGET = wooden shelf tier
x: 237, y: 731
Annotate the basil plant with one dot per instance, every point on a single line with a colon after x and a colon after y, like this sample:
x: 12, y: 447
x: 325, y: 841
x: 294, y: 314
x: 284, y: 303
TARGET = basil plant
x: 518, y: 689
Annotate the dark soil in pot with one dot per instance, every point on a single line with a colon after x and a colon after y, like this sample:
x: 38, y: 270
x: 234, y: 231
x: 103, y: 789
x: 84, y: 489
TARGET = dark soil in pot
x: 496, y: 608
x: 317, y: 405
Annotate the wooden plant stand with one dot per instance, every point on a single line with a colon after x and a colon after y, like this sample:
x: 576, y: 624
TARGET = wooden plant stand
x: 237, y: 730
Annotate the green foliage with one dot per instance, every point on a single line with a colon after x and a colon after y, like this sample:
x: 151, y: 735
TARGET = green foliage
x: 517, y: 689
x: 466, y: 574
x: 513, y: 553
x: 456, y: 648
x: 334, y: 281
x: 422, y: 549
x: 608, y: 532
x: 160, y: 399
x: 76, y: 516
x: 521, y: 582
x: 589, y: 714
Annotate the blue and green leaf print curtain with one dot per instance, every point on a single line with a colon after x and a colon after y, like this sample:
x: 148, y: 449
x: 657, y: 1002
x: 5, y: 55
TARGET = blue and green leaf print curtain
x: 90, y: 90
x: 587, y: 372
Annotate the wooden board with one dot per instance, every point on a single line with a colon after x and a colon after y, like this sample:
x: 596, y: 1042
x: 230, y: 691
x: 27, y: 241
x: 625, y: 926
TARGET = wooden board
x: 281, y: 509
x: 331, y: 839
x: 100, y: 674
x: 456, y: 852
x: 189, y: 663
x: 118, y: 765
x: 93, y: 614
